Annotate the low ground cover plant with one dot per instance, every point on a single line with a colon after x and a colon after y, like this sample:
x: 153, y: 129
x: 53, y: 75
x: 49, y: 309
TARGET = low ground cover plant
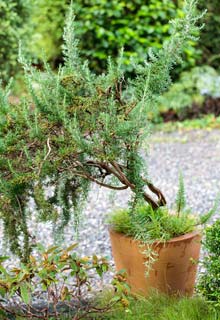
x: 195, y: 94
x: 161, y: 307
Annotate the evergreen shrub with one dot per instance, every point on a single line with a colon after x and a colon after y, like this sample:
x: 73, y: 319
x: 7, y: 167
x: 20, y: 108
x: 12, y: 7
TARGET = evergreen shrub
x: 63, y: 283
x: 75, y: 128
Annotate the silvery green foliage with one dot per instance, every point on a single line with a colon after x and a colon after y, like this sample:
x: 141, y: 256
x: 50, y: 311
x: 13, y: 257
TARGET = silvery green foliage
x: 75, y: 128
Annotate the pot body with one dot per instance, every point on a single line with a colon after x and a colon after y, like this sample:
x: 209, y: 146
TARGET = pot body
x: 172, y: 272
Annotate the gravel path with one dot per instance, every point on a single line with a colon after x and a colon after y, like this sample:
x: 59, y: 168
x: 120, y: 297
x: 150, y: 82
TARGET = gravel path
x: 195, y: 153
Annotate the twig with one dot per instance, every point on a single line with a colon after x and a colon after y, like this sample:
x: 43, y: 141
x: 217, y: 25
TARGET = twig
x: 46, y: 156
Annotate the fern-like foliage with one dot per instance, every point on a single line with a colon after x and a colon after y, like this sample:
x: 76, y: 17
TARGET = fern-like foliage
x: 206, y: 217
x: 75, y: 128
x: 180, y: 197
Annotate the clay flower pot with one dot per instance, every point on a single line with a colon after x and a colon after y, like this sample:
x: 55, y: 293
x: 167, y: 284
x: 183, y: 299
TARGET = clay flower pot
x: 172, y: 272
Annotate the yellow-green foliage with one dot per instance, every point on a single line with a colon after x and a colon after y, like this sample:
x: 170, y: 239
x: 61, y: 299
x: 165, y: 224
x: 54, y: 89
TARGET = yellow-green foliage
x: 209, y: 280
x: 148, y: 225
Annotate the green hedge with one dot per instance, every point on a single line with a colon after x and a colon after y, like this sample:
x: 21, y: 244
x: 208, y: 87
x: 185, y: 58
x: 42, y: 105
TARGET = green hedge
x: 105, y: 26
x: 48, y: 19
x: 13, y: 16
x: 210, y: 35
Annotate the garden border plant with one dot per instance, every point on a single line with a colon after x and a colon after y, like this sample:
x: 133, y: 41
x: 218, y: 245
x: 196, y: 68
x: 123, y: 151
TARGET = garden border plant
x: 56, y: 283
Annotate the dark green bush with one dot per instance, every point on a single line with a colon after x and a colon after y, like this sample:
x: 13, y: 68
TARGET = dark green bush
x: 106, y: 26
x: 13, y: 16
x: 209, y: 284
x: 209, y: 37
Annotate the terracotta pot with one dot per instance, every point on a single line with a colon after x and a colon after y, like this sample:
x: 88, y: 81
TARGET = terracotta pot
x: 174, y: 270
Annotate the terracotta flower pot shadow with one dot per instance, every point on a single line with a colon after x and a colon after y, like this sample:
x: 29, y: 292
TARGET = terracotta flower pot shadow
x: 172, y: 272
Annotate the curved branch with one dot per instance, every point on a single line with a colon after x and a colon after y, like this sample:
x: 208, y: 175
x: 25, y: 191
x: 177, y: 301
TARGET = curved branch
x: 147, y: 197
x: 107, y: 168
x: 122, y: 175
x: 117, y: 170
x: 156, y: 191
x: 91, y: 178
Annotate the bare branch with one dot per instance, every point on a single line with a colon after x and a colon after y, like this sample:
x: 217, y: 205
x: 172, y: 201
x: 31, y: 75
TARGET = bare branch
x: 155, y: 190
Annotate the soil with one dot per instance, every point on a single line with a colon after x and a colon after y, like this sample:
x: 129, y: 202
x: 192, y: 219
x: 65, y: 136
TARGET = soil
x: 210, y: 106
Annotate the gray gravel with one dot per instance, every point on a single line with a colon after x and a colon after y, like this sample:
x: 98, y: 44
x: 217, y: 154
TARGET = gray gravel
x: 195, y: 153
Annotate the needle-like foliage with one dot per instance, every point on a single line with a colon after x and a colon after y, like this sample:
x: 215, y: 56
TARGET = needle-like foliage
x: 76, y: 128
x: 180, y: 198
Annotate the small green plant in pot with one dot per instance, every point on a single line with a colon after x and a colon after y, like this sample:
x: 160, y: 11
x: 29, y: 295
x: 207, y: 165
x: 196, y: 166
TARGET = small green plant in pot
x: 75, y: 128
x: 159, y: 250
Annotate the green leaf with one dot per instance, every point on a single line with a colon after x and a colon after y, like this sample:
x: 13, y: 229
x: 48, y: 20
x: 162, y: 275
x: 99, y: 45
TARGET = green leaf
x: 3, y: 258
x: 206, y: 217
x: 180, y: 198
x: 115, y: 299
x: 51, y: 249
x: 73, y: 246
x: 25, y: 293
x: 2, y: 291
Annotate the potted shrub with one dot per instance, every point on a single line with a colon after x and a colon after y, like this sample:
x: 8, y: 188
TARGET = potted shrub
x: 159, y: 249
x: 75, y: 128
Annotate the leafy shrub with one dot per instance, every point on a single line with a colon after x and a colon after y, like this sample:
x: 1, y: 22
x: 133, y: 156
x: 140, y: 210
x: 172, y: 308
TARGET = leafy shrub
x: 48, y: 17
x: 14, y: 15
x: 210, y: 34
x: 209, y: 284
x: 106, y: 26
x: 62, y: 280
x: 193, y: 87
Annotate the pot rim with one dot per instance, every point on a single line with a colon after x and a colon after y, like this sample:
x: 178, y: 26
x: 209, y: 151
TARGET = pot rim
x: 183, y: 237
